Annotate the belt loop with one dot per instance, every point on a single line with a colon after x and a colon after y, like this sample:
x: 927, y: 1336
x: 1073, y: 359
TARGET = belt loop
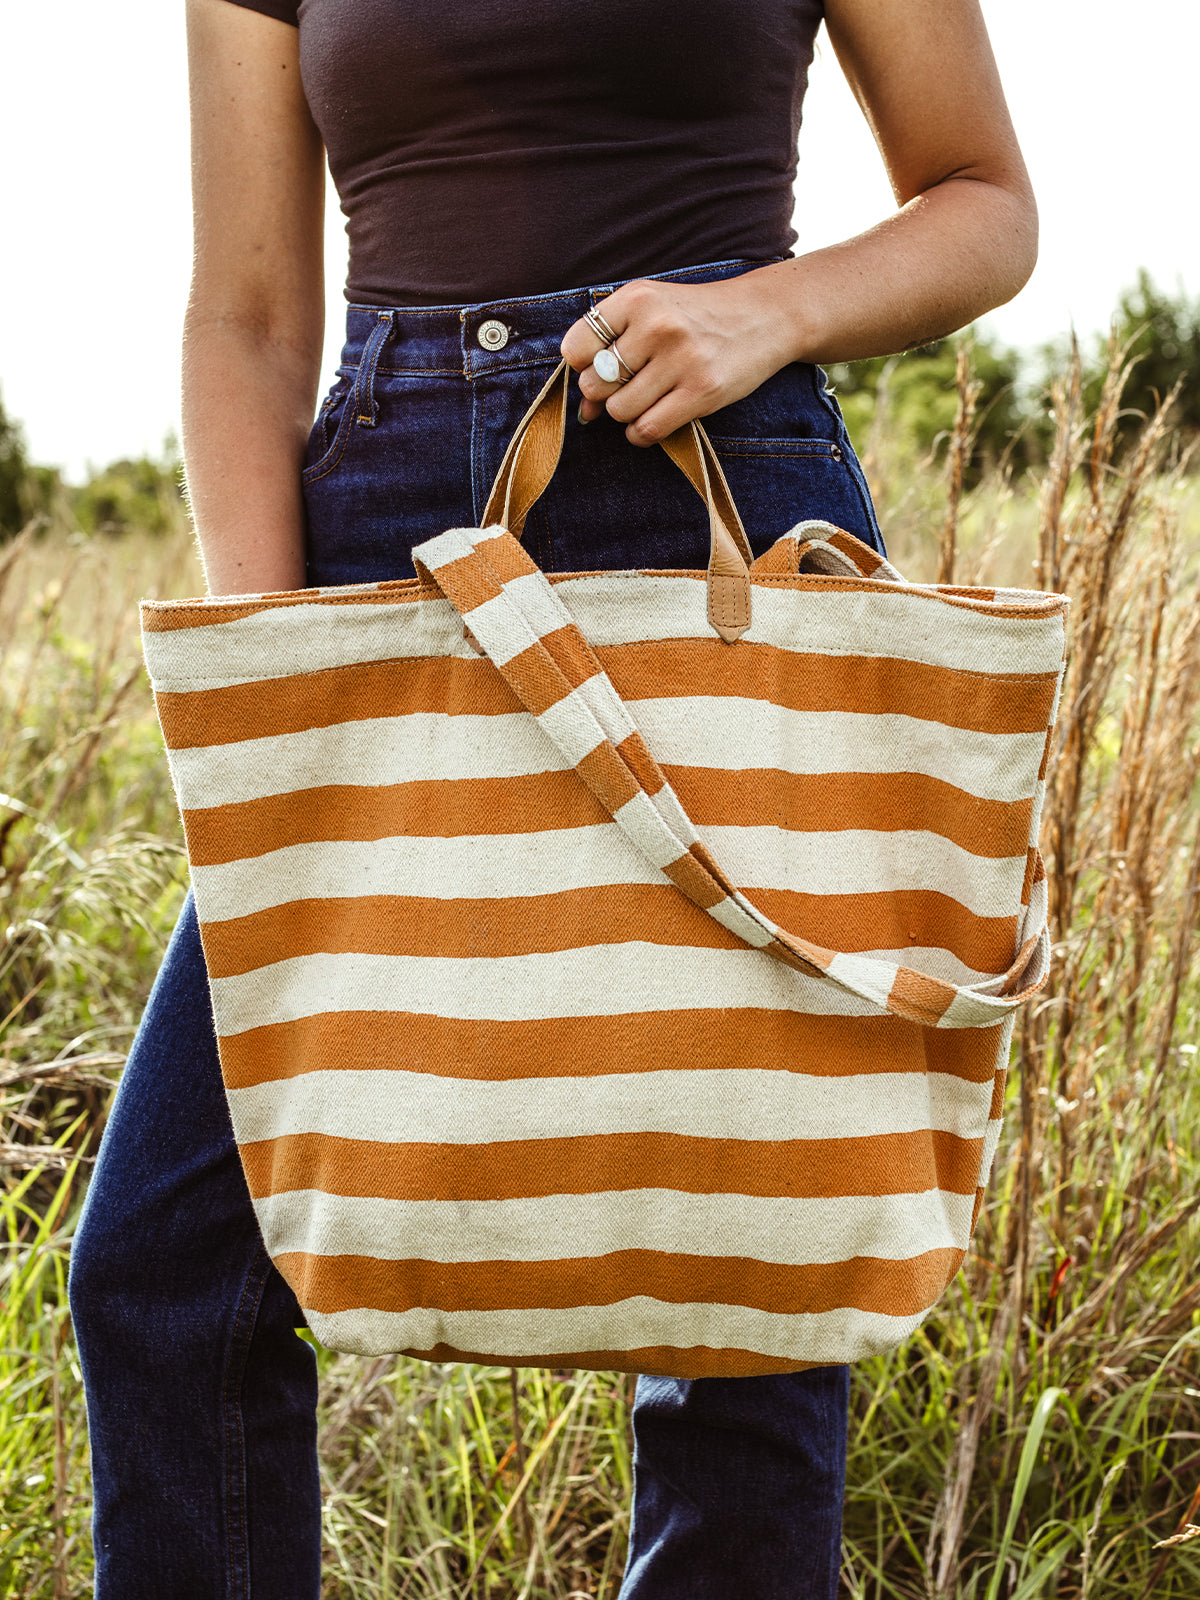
x: 364, y: 378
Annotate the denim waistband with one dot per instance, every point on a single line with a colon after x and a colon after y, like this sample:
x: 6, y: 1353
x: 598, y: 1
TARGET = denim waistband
x: 444, y: 340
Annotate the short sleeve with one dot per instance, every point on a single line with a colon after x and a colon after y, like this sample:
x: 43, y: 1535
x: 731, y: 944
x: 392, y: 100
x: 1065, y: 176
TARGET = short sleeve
x: 285, y: 10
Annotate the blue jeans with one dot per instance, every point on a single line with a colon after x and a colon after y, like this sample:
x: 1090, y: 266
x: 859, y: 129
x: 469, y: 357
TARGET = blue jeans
x: 200, y: 1396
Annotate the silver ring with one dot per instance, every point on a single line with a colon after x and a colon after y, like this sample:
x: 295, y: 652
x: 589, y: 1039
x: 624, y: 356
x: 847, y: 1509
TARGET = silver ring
x: 599, y: 327
x: 611, y: 366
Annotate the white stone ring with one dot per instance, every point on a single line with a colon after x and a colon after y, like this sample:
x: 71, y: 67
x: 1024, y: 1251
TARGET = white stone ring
x: 610, y: 365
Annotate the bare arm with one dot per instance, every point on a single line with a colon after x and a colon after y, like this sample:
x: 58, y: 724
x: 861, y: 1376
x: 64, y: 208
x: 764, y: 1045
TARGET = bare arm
x: 255, y: 315
x: 964, y: 239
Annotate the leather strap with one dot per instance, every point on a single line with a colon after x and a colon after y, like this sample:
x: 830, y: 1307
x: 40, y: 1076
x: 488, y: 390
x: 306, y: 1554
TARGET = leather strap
x: 531, y: 459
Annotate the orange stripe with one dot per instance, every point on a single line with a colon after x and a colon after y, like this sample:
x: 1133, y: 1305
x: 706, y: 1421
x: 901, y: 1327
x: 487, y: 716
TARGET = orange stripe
x: 867, y: 560
x: 506, y: 559
x: 457, y: 686
x: 996, y: 1109
x: 606, y: 776
x: 387, y: 925
x: 919, y: 998
x: 202, y: 616
x: 875, y: 802
x: 447, y: 809
x: 571, y: 655
x: 347, y: 1283
x: 189, y: 615
x: 428, y: 808
x: 664, y: 1361
x: 538, y: 682
x: 468, y: 582
x: 801, y: 962
x: 641, y: 763
x: 576, y: 919
x: 893, y: 920
x: 886, y: 1163
x: 991, y: 703
x: 696, y: 882
x: 582, y: 1047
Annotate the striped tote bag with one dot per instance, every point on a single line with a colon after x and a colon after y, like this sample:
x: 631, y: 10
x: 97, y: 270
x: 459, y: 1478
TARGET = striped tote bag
x: 616, y: 970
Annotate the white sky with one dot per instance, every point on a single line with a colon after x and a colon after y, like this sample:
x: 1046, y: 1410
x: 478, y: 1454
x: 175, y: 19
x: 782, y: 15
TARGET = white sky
x: 94, y: 208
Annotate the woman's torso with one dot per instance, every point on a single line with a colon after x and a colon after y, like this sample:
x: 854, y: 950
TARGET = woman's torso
x: 490, y: 149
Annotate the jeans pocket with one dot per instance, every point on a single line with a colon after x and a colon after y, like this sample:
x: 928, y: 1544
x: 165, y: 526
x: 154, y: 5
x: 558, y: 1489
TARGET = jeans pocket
x: 351, y: 402
x: 327, y: 438
x: 777, y: 483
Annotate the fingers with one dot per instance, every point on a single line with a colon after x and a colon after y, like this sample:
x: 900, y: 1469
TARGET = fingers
x: 582, y: 343
x: 675, y: 360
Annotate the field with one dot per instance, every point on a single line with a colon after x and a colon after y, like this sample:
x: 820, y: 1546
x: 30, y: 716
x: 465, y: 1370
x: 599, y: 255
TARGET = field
x: 1040, y: 1437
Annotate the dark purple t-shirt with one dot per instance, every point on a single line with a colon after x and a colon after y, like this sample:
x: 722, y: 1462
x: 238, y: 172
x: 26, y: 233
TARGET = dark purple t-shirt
x: 514, y: 147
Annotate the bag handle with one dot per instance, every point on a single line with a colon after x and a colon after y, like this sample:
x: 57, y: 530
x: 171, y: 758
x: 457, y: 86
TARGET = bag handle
x: 531, y: 459
x: 531, y: 638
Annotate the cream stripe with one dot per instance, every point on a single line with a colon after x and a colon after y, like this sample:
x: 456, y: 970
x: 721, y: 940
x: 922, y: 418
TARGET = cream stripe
x: 502, y: 633
x: 534, y: 598
x: 827, y: 1337
x: 483, y: 866
x: 640, y: 820
x: 611, y: 608
x: 790, y: 1232
x: 473, y: 866
x: 424, y: 745
x: 864, y: 975
x: 570, y: 724
x: 300, y: 638
x: 595, y: 981
x: 444, y: 548
x: 728, y: 732
x: 602, y: 700
x: 858, y: 862
x: 740, y: 923
x: 907, y: 624
x: 720, y: 1103
x: 705, y: 732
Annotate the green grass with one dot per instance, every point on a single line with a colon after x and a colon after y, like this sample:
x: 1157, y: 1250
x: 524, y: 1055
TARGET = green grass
x: 1034, y: 1440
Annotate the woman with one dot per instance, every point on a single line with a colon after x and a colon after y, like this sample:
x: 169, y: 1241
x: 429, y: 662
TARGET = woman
x: 506, y: 171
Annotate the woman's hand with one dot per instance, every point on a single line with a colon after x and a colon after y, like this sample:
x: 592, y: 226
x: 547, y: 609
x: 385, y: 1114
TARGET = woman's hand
x: 693, y: 348
x: 964, y: 239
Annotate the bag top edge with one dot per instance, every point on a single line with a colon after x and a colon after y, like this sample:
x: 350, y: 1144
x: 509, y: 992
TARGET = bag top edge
x: 992, y: 598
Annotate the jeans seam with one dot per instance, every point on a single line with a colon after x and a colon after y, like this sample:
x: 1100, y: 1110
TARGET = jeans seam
x: 236, y: 1496
x: 775, y: 455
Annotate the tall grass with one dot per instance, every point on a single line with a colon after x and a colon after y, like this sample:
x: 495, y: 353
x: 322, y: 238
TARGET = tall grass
x: 1037, y: 1438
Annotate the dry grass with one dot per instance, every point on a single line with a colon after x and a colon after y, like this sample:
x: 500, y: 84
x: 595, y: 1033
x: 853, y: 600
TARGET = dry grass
x: 1039, y: 1435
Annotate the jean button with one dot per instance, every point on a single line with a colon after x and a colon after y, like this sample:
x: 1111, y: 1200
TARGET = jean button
x: 492, y: 335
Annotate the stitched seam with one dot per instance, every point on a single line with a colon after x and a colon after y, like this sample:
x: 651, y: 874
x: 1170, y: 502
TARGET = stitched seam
x: 322, y: 469
x: 341, y: 438
x: 481, y: 369
x: 236, y: 1502
x: 424, y: 372
x: 728, y: 443
x: 776, y: 455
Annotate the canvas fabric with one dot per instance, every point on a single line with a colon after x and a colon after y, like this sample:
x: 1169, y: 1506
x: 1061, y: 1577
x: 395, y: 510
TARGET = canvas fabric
x: 592, y: 992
